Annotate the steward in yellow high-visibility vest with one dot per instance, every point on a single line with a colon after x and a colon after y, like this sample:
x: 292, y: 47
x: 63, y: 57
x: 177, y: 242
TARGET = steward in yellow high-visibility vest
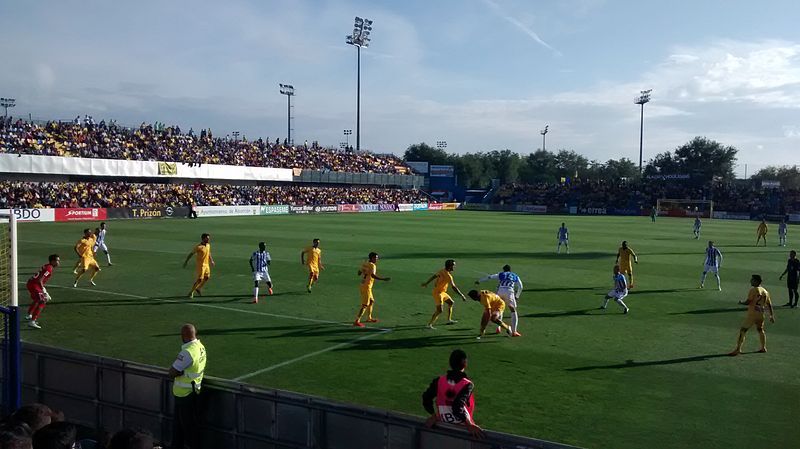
x: 187, y: 375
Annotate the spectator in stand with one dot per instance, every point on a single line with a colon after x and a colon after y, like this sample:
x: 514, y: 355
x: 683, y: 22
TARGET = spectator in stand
x: 58, y: 435
x: 35, y: 416
x: 166, y: 143
x: 131, y: 439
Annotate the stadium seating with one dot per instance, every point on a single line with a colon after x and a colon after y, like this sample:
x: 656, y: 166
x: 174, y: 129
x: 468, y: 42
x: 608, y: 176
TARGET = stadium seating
x: 85, y: 138
x: 21, y: 194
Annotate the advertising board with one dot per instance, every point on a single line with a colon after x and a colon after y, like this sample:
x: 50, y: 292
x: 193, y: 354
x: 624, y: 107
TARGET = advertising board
x: 80, y: 214
x: 32, y: 215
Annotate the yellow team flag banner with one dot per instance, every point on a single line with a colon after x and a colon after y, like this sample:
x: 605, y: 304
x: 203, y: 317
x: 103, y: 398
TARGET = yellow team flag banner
x: 168, y: 168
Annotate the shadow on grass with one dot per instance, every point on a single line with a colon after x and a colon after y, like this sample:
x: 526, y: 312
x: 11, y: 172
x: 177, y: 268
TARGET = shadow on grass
x: 705, y: 311
x: 635, y: 364
x: 424, y: 341
x: 561, y: 289
x: 564, y: 313
x: 501, y: 255
x: 663, y: 290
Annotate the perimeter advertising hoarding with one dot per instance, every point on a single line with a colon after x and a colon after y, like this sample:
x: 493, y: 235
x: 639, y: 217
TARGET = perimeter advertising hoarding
x: 228, y: 211
x: 326, y: 208
x: 32, y: 215
x: 369, y: 208
x: 387, y: 207
x: 80, y: 214
x: 419, y: 206
x: 532, y: 209
x: 147, y: 212
x: 418, y: 167
x: 405, y: 207
x: 347, y: 208
x: 273, y: 209
x: 450, y: 206
x: 442, y: 171
x: 301, y: 209
x: 434, y: 206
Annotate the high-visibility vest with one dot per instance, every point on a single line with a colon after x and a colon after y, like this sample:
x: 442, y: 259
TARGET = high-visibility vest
x: 182, y: 385
x: 446, y: 391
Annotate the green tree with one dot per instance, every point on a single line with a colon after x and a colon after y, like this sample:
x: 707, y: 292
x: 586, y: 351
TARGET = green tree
x: 422, y: 152
x: 474, y: 170
x: 539, y: 166
x: 789, y: 177
x: 506, y: 165
x: 702, y: 157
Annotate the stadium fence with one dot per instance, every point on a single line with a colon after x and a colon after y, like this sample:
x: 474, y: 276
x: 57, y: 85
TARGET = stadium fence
x: 111, y: 394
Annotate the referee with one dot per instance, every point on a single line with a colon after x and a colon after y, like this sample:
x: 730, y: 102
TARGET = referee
x: 187, y: 375
x: 793, y: 278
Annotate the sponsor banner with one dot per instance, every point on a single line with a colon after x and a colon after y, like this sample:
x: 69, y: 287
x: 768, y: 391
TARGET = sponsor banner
x: 435, y: 206
x: 326, y: 209
x: 770, y: 184
x: 594, y: 211
x: 625, y: 211
x: 80, y: 214
x: 147, y: 212
x: 167, y: 168
x: 387, y: 207
x: 32, y: 215
x: 442, y: 171
x: 227, y: 211
x: 573, y: 210
x: 770, y: 217
x: 673, y: 176
x: 405, y: 207
x: 369, y: 208
x: 419, y: 206
x: 301, y: 209
x: 477, y: 206
x: 794, y: 218
x: 450, y: 206
x: 532, y: 209
x: 347, y: 208
x: 418, y: 167
x: 725, y: 215
x: 273, y: 209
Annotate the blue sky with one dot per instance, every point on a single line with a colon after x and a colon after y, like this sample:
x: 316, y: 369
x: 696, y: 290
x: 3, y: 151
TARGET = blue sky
x: 480, y: 74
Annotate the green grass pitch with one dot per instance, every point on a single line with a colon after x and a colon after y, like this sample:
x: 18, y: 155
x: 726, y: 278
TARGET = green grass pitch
x: 655, y: 378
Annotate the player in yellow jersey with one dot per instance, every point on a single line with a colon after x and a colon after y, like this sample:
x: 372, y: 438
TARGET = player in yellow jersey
x: 204, y: 262
x: 625, y: 259
x: 758, y: 301
x: 367, y: 273
x: 444, y: 280
x: 85, y: 250
x: 312, y: 258
x: 493, y: 307
x: 761, y: 232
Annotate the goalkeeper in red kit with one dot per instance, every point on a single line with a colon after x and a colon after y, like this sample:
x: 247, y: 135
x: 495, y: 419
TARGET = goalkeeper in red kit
x: 38, y: 291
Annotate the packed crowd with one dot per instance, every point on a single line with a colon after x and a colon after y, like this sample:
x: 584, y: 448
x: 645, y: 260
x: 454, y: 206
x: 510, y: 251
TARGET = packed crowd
x: 85, y: 138
x: 743, y: 196
x: 37, y: 426
x: 22, y: 194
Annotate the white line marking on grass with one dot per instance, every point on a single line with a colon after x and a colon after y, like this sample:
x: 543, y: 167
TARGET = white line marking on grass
x: 212, y: 306
x: 309, y: 355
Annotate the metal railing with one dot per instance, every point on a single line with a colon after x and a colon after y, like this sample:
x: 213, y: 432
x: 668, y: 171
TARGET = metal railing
x: 112, y: 394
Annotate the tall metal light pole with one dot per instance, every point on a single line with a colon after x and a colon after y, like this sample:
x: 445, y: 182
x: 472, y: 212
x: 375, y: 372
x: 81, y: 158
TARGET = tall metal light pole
x: 544, y: 133
x: 288, y: 90
x: 7, y: 103
x: 347, y: 134
x: 360, y: 38
x: 235, y: 135
x: 644, y: 97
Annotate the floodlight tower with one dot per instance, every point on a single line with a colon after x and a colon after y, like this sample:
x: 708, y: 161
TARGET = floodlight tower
x: 360, y: 38
x: 644, y: 97
x: 441, y: 144
x: 7, y: 103
x: 544, y: 134
x: 288, y: 90
x: 347, y: 134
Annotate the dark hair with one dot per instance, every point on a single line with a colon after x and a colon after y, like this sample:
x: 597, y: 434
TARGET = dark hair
x: 87, y: 230
x: 102, y: 223
x: 35, y: 416
x: 458, y: 360
x: 15, y: 438
x: 204, y: 235
x: 58, y: 435
x: 473, y: 294
x: 52, y: 257
x: 131, y: 439
x: 449, y: 263
x: 373, y: 254
x: 262, y: 245
x: 506, y: 267
x: 757, y: 277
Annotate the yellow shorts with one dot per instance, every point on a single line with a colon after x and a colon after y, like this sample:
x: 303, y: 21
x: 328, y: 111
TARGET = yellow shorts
x: 313, y: 270
x: 441, y: 298
x: 89, y: 262
x: 753, y: 320
x: 203, y: 272
x: 366, y: 295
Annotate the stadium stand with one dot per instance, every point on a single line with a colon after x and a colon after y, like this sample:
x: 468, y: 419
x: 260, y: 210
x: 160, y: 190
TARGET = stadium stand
x: 745, y: 196
x: 85, y: 138
x: 23, y: 194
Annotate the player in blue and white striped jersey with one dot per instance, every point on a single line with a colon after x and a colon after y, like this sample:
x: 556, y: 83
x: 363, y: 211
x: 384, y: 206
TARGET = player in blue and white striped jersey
x: 509, y: 288
x: 563, y: 237
x: 619, y: 292
x: 697, y: 225
x: 100, y: 242
x: 713, y: 261
x: 259, y: 265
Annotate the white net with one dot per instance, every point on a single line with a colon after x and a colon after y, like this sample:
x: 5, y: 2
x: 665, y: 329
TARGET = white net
x: 5, y: 262
x: 685, y: 208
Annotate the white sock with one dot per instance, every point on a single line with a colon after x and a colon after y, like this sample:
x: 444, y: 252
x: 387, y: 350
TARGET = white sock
x: 514, y: 321
x: 719, y: 282
x: 255, y: 292
x: 605, y: 301
x: 108, y: 256
x: 619, y: 301
x: 703, y: 278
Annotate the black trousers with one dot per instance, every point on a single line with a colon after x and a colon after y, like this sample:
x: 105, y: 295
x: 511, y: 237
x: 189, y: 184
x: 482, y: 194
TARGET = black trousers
x: 791, y: 284
x: 192, y: 213
x: 186, y: 423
